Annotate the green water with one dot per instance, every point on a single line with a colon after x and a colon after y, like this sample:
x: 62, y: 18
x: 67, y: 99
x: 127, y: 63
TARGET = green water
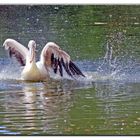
x: 106, y: 103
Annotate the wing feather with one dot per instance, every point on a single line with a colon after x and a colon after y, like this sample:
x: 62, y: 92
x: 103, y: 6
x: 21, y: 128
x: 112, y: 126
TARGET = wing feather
x: 16, y: 50
x: 58, y: 60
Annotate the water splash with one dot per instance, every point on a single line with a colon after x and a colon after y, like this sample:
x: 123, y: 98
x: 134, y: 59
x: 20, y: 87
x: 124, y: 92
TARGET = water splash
x: 10, y: 71
x: 117, y: 64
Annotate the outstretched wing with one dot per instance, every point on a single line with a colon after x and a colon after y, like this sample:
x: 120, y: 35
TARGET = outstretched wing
x: 16, y: 50
x: 58, y: 60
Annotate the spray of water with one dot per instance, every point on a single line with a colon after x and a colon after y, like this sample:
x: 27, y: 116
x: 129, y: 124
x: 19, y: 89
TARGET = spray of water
x: 117, y: 64
x: 10, y: 71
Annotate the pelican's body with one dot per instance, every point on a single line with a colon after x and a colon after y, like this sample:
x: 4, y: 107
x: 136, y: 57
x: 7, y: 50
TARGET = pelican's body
x: 52, y: 58
x: 32, y: 72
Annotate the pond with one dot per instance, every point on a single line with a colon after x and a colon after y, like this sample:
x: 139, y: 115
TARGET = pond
x: 103, y: 40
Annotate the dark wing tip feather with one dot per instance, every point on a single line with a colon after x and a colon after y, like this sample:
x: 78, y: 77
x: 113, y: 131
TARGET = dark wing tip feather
x: 59, y: 61
x: 69, y: 67
x: 65, y: 65
x: 56, y: 64
x: 75, y: 69
x: 60, y: 68
x: 52, y: 58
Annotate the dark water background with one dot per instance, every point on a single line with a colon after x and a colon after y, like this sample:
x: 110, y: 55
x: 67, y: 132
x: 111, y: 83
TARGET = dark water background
x: 103, y: 40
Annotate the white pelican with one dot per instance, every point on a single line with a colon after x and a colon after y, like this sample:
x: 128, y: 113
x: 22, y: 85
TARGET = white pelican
x: 52, y: 58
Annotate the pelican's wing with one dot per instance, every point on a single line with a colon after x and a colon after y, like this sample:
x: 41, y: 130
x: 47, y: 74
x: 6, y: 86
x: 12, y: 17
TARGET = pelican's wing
x: 58, y: 60
x: 17, y: 50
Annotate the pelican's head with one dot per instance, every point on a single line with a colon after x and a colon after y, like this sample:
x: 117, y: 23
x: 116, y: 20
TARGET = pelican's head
x: 31, y: 44
x: 32, y: 47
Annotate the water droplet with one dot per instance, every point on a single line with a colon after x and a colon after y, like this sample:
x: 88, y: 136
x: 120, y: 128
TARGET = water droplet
x: 110, y: 16
x: 40, y: 30
x: 138, y: 119
x: 56, y: 8
x: 72, y: 125
x: 123, y: 123
x: 37, y: 19
x: 121, y: 128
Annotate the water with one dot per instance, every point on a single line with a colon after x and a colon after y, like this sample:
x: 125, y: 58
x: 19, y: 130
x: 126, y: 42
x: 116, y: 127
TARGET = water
x: 104, y: 42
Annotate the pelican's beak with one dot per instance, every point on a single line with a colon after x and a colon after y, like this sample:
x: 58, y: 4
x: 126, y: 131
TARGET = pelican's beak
x: 32, y: 55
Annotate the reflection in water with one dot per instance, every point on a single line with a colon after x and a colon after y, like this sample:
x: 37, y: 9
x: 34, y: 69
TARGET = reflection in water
x: 37, y: 108
x: 70, y: 107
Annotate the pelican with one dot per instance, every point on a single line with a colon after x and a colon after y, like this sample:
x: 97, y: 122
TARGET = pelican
x: 52, y: 59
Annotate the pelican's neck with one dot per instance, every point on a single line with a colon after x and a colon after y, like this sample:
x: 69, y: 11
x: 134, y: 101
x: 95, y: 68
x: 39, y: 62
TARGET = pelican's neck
x: 31, y: 58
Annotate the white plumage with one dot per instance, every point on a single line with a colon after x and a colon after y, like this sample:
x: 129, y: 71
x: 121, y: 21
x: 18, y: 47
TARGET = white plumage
x: 52, y: 58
